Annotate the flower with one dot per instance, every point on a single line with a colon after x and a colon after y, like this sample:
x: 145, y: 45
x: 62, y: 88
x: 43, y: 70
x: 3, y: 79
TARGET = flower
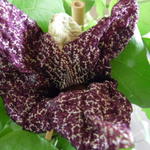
x: 69, y: 89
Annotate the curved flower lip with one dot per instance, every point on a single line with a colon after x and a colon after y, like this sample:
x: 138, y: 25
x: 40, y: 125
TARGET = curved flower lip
x: 95, y: 118
x: 33, y: 71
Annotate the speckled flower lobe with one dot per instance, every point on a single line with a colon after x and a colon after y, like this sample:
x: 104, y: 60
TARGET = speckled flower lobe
x: 36, y: 78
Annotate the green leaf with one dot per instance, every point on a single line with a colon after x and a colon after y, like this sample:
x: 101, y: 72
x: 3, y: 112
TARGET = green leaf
x: 90, y: 25
x: 64, y: 144
x: 100, y: 7
x: 23, y: 140
x: 67, y: 5
x: 146, y: 39
x: 144, y: 21
x: 9, y: 127
x: 147, y: 111
x: 132, y: 71
x: 88, y: 4
x: 3, y: 115
x: 112, y: 3
x: 40, y: 10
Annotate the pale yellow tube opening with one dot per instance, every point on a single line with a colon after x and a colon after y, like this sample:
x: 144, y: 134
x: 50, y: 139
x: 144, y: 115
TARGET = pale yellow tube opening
x: 78, y: 11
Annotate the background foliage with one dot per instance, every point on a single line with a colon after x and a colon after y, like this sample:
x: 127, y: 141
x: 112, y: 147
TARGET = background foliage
x: 131, y: 69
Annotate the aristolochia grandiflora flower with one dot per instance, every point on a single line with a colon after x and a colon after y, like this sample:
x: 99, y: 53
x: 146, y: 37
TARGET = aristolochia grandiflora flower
x: 68, y: 89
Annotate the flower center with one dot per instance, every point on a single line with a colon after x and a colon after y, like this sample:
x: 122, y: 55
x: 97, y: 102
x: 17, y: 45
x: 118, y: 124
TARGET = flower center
x: 63, y: 29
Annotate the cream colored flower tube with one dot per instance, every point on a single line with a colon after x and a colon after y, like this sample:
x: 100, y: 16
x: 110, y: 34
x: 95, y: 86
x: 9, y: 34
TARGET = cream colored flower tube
x: 78, y: 11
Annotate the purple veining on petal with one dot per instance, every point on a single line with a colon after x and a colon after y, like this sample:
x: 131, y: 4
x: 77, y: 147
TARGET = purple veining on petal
x: 84, y: 53
x: 33, y: 69
x: 7, y: 73
x: 29, y: 109
x: 74, y: 113
x: 51, y: 60
x: 17, y: 32
x: 95, y: 48
x: 119, y: 33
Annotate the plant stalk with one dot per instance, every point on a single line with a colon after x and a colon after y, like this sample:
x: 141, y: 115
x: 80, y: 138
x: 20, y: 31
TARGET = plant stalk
x: 49, y: 134
x: 78, y: 12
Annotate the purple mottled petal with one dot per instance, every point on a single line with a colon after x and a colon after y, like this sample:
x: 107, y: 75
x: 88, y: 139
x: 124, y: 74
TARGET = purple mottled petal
x: 76, y: 111
x: 25, y: 98
x: 7, y: 74
x: 83, y: 53
x: 27, y: 48
x: 109, y: 136
x: 90, y: 54
x: 118, y: 35
x: 18, y: 33
x: 73, y: 114
x: 51, y: 60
